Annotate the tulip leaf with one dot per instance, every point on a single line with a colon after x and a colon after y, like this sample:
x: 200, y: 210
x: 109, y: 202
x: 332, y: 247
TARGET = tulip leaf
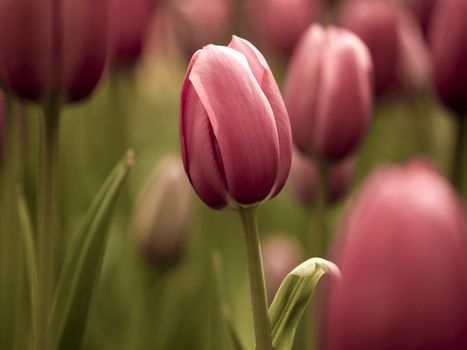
x: 27, y: 237
x: 81, y: 269
x: 292, y: 299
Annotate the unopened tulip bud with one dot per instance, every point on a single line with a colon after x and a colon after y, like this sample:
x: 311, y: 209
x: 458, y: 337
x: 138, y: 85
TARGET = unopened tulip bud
x: 448, y: 39
x: 53, y: 48
x: 234, y: 128
x: 328, y: 92
x: 303, y: 179
x: 162, y: 221
x: 130, y: 23
x: 281, y: 254
x: 279, y: 24
x: 403, y: 257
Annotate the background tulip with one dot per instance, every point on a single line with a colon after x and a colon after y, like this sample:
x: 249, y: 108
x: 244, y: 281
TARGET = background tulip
x: 281, y: 254
x: 162, y: 221
x: 279, y: 24
x: 402, y: 254
x: 53, y: 48
x: 235, y: 132
x: 328, y: 92
x: 131, y: 22
x: 303, y: 179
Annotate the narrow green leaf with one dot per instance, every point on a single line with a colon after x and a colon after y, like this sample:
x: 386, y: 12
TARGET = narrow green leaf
x: 27, y: 237
x: 292, y: 299
x: 80, y: 274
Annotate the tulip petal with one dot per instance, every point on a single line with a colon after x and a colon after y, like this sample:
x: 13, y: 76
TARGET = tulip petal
x: 198, y: 146
x: 242, y: 122
x: 265, y: 79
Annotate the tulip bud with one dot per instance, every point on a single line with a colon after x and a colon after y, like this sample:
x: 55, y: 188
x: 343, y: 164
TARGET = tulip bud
x: 131, y: 21
x: 403, y: 257
x: 53, y: 48
x: 303, y: 179
x: 200, y: 22
x: 281, y: 23
x: 234, y: 128
x: 281, y: 254
x: 448, y: 39
x: 328, y: 92
x: 162, y: 219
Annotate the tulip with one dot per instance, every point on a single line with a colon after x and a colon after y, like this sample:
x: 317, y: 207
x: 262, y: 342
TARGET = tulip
x: 281, y: 23
x: 328, y: 92
x: 234, y: 127
x: 131, y: 22
x: 303, y: 179
x: 403, y: 257
x: 162, y: 219
x: 53, y: 49
x: 423, y: 10
x: 281, y: 254
x: 200, y: 22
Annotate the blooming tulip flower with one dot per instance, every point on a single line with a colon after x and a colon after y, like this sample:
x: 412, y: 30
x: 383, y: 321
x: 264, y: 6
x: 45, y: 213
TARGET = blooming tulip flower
x: 403, y: 257
x: 234, y: 128
x: 328, y: 92
x: 281, y: 23
x: 131, y: 21
x: 303, y: 179
x: 53, y: 48
x: 162, y: 221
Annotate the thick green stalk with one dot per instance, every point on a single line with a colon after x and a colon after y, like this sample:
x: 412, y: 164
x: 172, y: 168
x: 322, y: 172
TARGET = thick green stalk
x: 46, y: 221
x: 257, y: 285
x: 459, y: 153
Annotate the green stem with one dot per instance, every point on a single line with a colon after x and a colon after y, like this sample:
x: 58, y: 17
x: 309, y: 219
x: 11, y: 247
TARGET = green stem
x: 459, y: 153
x: 46, y: 220
x: 320, y: 207
x: 257, y: 285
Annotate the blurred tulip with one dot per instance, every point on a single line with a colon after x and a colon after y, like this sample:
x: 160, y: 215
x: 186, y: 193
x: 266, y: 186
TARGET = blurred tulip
x: 279, y: 24
x: 53, y: 48
x: 423, y: 10
x: 131, y: 22
x: 235, y: 131
x: 448, y: 39
x: 281, y: 254
x: 328, y: 92
x: 200, y: 22
x: 303, y: 179
x: 162, y: 221
x: 403, y: 257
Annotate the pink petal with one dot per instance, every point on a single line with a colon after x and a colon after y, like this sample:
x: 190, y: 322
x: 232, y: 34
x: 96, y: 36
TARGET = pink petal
x: 242, y: 121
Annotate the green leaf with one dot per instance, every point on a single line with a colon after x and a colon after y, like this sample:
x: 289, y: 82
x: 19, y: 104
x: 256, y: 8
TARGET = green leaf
x: 27, y: 237
x: 292, y: 299
x: 80, y: 274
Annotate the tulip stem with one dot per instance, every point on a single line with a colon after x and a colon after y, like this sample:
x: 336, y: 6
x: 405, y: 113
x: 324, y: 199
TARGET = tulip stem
x: 459, y: 152
x: 321, y: 208
x: 257, y: 285
x: 45, y: 220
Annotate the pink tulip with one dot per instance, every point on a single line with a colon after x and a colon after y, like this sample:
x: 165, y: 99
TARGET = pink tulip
x: 448, y: 38
x: 234, y: 129
x: 131, y: 22
x: 403, y: 257
x: 328, y: 92
x: 53, y: 48
x: 279, y: 24
x: 303, y: 179
x: 281, y: 254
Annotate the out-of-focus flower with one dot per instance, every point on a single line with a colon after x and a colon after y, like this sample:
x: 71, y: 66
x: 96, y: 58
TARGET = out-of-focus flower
x: 200, y: 22
x: 328, y: 92
x: 403, y: 257
x: 423, y: 10
x: 303, y: 179
x: 448, y: 39
x: 53, y: 48
x: 130, y: 23
x: 281, y: 254
x: 234, y: 128
x: 162, y: 218
x: 279, y: 24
